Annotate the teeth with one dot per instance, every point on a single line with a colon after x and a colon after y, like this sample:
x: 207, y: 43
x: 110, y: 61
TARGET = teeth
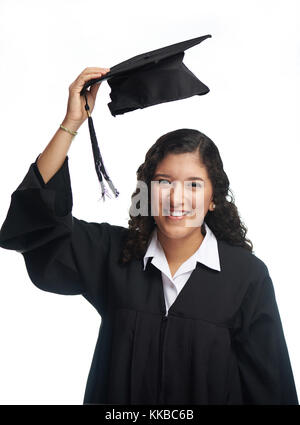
x: 178, y: 213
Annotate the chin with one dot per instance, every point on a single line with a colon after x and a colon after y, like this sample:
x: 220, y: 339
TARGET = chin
x: 174, y: 230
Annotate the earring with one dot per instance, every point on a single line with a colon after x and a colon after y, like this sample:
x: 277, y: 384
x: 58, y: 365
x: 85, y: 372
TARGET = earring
x: 214, y: 206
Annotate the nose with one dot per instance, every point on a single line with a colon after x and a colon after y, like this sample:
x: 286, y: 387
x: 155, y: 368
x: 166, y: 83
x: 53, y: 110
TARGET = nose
x: 176, y: 193
x: 176, y: 197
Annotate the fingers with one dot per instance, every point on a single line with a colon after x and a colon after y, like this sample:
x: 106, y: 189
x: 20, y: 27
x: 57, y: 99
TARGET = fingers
x: 86, y: 75
x: 89, y: 73
x: 94, y: 69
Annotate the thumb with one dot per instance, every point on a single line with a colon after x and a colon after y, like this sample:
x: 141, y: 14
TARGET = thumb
x: 94, y: 89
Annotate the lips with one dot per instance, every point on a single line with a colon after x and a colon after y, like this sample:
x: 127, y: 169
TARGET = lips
x: 176, y: 211
x: 180, y: 216
x: 176, y: 217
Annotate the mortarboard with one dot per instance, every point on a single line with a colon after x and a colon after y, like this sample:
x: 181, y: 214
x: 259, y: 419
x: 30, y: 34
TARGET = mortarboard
x: 145, y: 80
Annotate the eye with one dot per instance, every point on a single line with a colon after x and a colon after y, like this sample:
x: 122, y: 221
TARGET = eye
x: 195, y: 185
x: 163, y: 180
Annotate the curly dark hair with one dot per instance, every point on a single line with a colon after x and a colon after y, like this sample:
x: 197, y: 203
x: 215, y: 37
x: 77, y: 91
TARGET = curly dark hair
x: 224, y: 221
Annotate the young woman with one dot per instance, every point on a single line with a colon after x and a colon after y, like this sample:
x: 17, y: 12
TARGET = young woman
x: 188, y: 312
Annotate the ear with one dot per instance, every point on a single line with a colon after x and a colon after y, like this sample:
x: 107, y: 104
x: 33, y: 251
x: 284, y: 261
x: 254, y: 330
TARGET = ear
x: 212, y: 206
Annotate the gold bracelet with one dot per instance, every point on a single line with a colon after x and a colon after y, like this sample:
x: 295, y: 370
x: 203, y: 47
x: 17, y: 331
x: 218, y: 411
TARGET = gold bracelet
x: 69, y: 131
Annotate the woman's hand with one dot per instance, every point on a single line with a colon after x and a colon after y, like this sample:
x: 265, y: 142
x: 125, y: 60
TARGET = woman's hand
x: 75, y: 110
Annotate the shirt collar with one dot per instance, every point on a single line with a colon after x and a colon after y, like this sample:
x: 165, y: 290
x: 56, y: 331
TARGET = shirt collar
x: 206, y: 254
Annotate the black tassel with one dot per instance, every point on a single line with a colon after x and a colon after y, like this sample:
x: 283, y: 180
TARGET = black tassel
x: 99, y: 165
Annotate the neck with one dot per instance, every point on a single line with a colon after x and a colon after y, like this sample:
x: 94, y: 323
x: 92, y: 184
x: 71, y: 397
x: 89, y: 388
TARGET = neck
x: 179, y: 250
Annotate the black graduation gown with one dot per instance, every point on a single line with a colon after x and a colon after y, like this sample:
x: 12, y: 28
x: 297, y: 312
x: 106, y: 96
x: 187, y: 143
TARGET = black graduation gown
x: 222, y: 341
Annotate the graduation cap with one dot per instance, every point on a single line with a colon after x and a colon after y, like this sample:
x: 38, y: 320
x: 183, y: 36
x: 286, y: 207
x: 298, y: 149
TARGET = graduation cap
x: 145, y: 80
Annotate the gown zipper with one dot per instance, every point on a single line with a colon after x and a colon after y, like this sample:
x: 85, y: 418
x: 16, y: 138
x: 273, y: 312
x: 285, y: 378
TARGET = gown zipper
x: 160, y: 367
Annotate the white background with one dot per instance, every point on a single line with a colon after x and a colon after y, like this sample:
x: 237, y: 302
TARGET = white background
x: 251, y: 65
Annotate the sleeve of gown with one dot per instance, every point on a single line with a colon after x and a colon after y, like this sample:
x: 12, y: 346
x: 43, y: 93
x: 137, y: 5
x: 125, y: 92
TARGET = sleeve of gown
x: 264, y: 365
x: 62, y: 254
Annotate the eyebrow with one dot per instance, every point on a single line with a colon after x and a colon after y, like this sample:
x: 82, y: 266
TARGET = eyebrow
x: 188, y: 178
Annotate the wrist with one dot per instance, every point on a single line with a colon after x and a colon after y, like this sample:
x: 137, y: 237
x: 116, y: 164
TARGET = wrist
x: 71, y: 124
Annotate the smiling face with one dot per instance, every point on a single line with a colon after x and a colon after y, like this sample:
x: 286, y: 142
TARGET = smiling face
x: 180, y: 182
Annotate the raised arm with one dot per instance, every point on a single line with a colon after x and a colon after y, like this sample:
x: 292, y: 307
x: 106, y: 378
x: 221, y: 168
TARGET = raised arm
x: 62, y: 254
x: 53, y: 156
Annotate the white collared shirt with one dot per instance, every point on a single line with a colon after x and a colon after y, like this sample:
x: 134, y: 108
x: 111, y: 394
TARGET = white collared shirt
x: 206, y: 254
